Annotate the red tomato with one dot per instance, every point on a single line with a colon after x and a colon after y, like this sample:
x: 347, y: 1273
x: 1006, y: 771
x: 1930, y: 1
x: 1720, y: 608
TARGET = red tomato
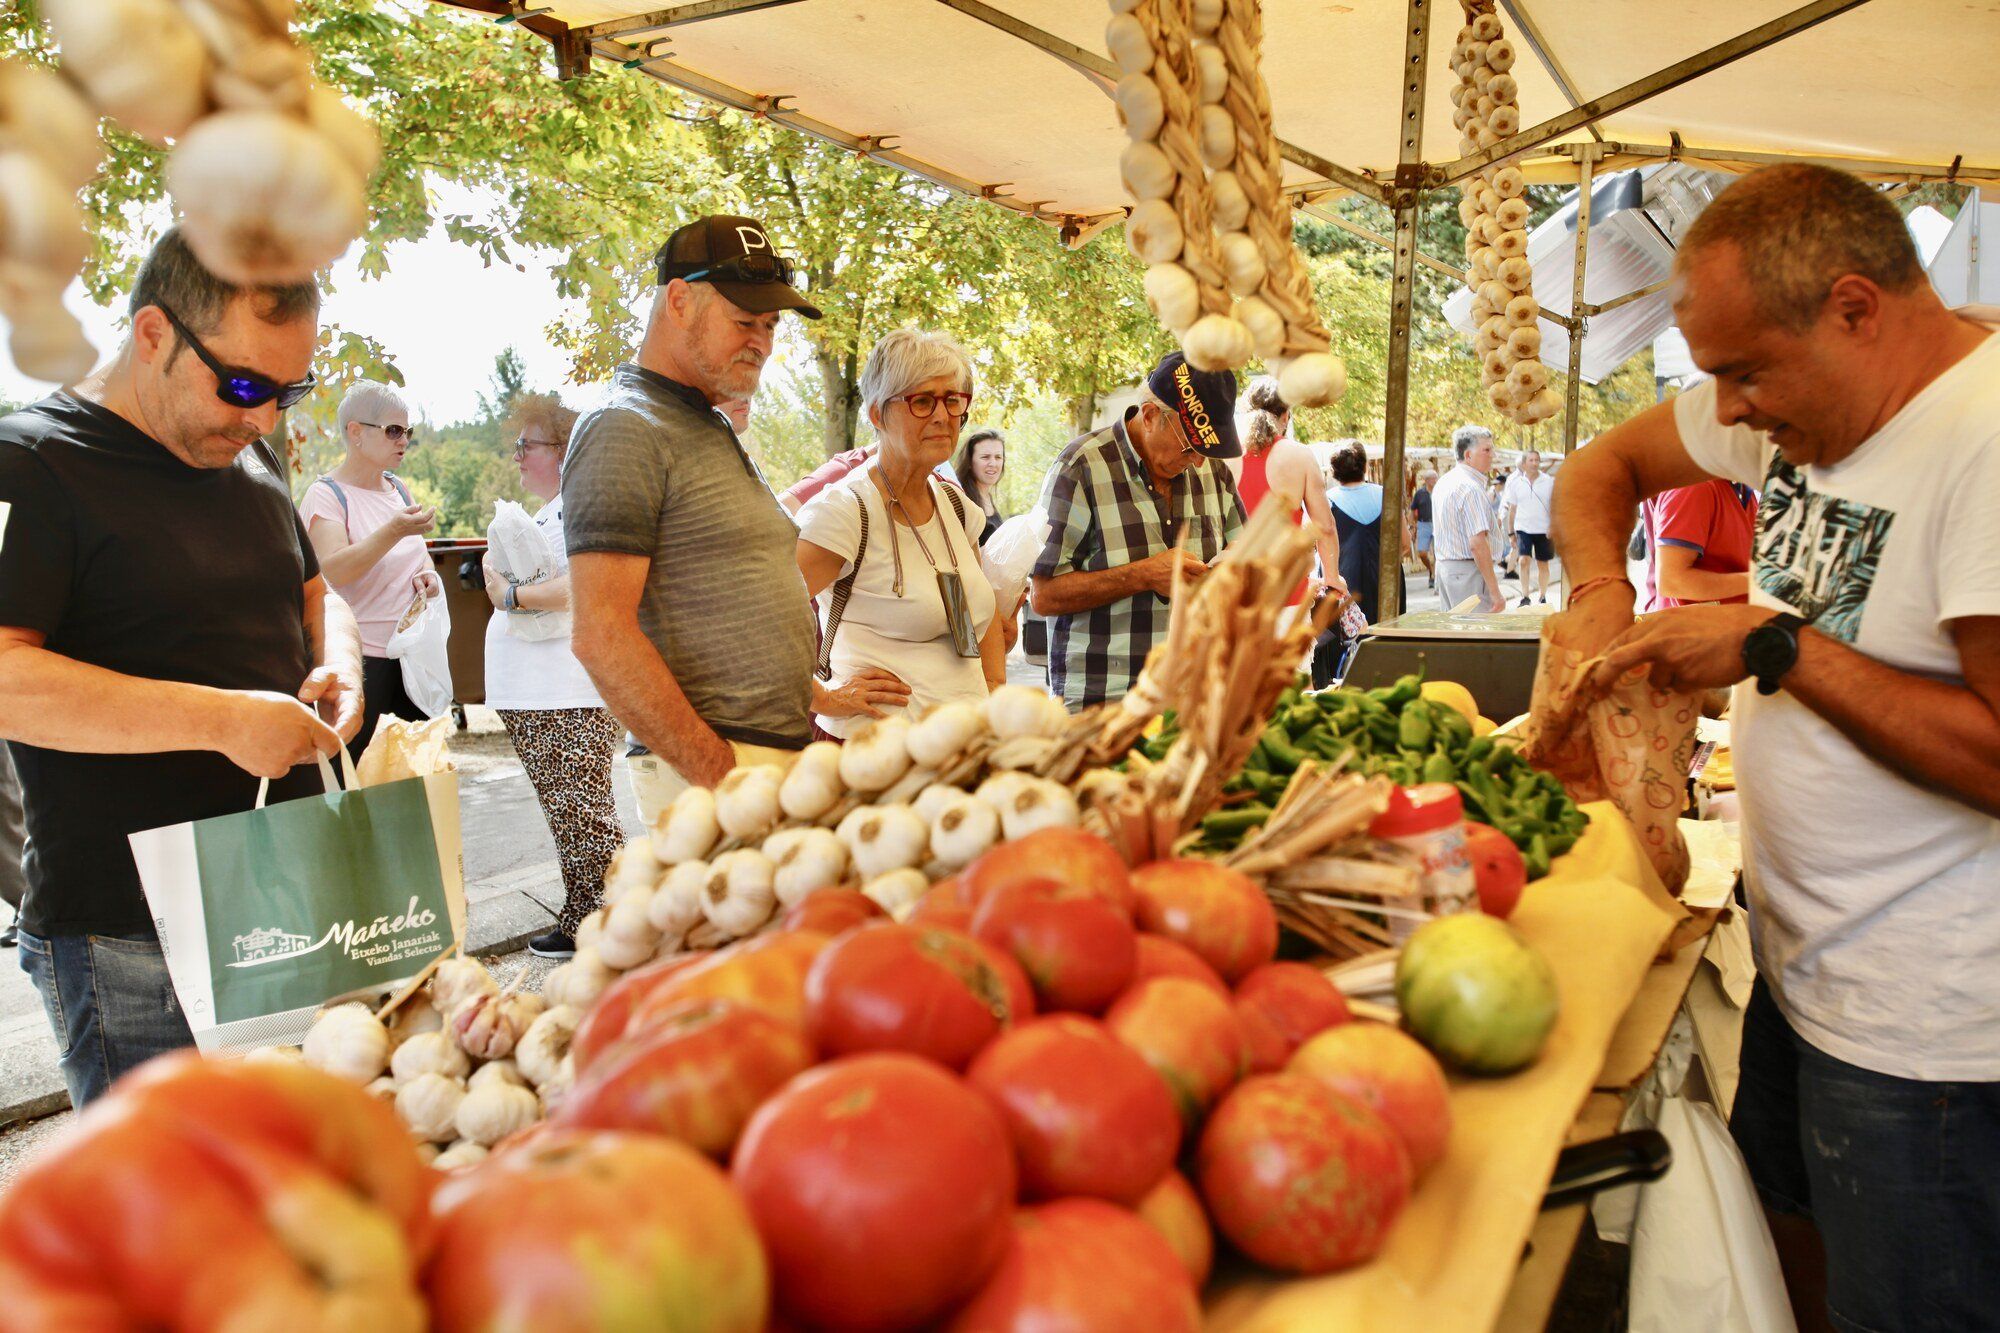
x: 1085, y: 1113
x: 766, y: 972
x: 1020, y: 995
x: 1300, y: 1178
x: 583, y: 1228
x: 1282, y: 1004
x: 1082, y: 1266
x: 1497, y: 868
x: 882, y: 1187
x: 1173, y: 1209
x: 1393, y: 1075
x: 605, y: 1022
x: 1187, y: 1033
x: 1067, y: 858
x: 945, y: 904
x: 1222, y: 915
x: 694, y: 1073
x: 831, y: 911
x: 1162, y: 957
x: 886, y: 987
x: 1078, y: 950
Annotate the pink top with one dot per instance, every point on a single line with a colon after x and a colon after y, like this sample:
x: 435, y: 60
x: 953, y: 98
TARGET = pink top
x: 380, y: 596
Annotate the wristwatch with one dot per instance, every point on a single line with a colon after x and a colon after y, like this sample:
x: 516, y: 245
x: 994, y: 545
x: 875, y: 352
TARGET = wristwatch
x: 1772, y: 649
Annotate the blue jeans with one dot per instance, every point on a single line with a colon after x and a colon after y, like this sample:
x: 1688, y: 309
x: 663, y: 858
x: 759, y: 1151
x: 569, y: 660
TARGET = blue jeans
x: 1901, y: 1177
x: 110, y: 1003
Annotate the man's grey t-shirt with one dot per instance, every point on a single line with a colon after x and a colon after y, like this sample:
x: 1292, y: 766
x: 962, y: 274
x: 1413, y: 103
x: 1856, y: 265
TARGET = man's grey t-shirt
x: 654, y: 471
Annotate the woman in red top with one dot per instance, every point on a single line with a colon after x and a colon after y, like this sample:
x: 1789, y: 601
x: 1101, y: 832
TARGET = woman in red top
x: 1273, y: 461
x: 1701, y: 543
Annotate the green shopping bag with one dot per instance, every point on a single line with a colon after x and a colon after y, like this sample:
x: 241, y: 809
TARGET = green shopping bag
x: 266, y: 915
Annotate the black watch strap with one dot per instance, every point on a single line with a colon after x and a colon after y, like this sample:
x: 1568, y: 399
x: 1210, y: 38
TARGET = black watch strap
x: 1772, y: 649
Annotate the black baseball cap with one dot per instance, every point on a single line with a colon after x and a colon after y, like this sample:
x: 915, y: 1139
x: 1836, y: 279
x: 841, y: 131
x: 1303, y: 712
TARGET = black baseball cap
x: 735, y: 256
x: 1205, y: 400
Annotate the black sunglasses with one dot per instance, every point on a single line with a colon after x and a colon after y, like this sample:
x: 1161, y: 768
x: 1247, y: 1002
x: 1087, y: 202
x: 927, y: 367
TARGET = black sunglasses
x: 743, y: 268
x: 235, y: 385
x: 396, y: 434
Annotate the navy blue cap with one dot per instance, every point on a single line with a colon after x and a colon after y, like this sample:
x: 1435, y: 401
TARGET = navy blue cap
x: 1205, y: 400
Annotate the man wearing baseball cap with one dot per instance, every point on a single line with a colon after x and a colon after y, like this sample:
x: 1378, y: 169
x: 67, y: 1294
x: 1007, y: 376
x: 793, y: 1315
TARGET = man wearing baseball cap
x: 690, y: 614
x: 1119, y: 500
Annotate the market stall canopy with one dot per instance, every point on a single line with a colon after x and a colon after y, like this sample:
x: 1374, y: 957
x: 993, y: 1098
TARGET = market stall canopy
x: 1009, y: 99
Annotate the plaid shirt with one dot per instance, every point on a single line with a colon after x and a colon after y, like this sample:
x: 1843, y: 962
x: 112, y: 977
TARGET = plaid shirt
x: 1103, y: 513
x: 1462, y: 511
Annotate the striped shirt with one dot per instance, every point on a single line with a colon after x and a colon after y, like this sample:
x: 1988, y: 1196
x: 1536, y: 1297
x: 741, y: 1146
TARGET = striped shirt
x: 1104, y: 513
x: 1461, y: 512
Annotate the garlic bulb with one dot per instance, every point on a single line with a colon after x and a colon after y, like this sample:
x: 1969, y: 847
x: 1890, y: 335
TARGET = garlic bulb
x: 1242, y: 264
x: 1207, y: 15
x: 1146, y: 171
x: 629, y: 937
x: 1468, y: 210
x: 428, y: 1153
x: 1215, y: 132
x: 383, y: 1089
x: 263, y: 199
x: 258, y: 75
x: 1217, y: 342
x: 817, y: 859
x: 1141, y: 106
x: 489, y: 1026
x: 812, y: 786
x: 498, y: 1071
x: 1153, y: 232
x: 141, y: 61
x: 460, y: 1155
x: 884, y: 838
x: 559, y: 1084
x: 962, y: 832
x: 876, y: 755
x: 346, y: 129
x: 1037, y: 805
x: 1498, y: 394
x: 1523, y: 311
x: 1211, y: 69
x: 489, y: 1114
x: 278, y: 1055
x: 1125, y: 39
x: 1545, y: 405
x: 41, y: 114
x: 897, y: 892
x: 590, y: 930
x: 675, y: 906
x: 633, y: 867
x: 1527, y: 379
x: 541, y: 1050
x: 1505, y: 120
x: 1312, y: 380
x: 1266, y: 325
x: 1516, y: 274
x: 1500, y: 56
x: 746, y: 802
x: 998, y: 789
x: 1173, y: 295
x: 40, y: 224
x: 458, y: 979
x: 1486, y: 28
x: 1524, y: 342
x: 689, y: 830
x: 578, y: 982
x: 931, y: 801
x: 1229, y: 205
x: 1512, y: 244
x: 430, y: 1053
x: 1494, y: 365
x: 740, y: 895
x: 348, y: 1041
x: 47, y: 342
x: 428, y: 1104
x: 1512, y: 214
x: 1487, y: 339
x: 944, y: 732
x: 1508, y: 182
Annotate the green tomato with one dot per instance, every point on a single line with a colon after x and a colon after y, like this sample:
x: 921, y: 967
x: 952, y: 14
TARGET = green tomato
x: 1476, y: 993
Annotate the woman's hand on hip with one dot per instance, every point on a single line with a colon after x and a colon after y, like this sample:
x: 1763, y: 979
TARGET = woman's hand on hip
x: 496, y: 588
x: 865, y: 694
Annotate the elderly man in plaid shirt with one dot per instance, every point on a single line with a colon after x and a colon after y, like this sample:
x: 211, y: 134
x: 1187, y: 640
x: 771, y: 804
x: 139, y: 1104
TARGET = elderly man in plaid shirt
x: 1120, y: 500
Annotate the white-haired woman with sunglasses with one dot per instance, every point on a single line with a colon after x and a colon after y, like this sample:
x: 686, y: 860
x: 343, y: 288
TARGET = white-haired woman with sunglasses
x: 369, y: 536
x: 909, y: 618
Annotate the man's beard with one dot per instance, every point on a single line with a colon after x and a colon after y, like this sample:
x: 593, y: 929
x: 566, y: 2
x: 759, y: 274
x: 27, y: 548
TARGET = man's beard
x: 735, y: 378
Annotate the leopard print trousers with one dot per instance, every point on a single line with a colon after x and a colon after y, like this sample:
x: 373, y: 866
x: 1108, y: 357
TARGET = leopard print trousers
x: 567, y: 752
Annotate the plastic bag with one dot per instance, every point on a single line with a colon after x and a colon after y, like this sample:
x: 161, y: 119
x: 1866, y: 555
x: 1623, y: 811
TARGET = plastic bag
x: 519, y: 551
x: 422, y: 644
x: 1010, y: 554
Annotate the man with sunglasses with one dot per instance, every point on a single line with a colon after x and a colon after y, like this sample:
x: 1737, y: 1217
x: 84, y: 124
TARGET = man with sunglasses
x: 689, y: 611
x: 1127, y: 504
x: 167, y: 637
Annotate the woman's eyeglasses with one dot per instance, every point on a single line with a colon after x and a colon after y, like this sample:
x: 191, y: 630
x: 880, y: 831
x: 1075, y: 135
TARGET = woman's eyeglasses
x: 237, y: 386
x: 402, y: 435
x: 922, y: 405
x: 522, y: 445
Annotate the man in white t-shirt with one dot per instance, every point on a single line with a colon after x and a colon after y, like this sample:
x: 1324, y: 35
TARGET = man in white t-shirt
x: 1526, y: 503
x: 1868, y: 748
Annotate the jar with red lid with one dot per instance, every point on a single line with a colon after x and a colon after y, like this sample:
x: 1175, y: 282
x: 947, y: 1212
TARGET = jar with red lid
x: 1429, y: 821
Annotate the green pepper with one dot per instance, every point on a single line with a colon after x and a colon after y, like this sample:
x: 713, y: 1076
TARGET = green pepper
x: 1537, y: 856
x: 1284, y: 756
x: 1479, y: 749
x: 1439, y: 768
x: 1413, y: 731
x: 1235, y: 821
x: 1404, y: 691
x: 1457, y: 731
x: 1301, y: 716
x: 1560, y: 843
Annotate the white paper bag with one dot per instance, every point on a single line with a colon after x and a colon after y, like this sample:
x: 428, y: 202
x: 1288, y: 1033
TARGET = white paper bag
x: 1009, y: 555
x: 518, y: 549
x: 422, y: 644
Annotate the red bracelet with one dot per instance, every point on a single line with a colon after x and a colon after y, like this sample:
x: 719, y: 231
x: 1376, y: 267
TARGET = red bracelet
x: 1591, y: 585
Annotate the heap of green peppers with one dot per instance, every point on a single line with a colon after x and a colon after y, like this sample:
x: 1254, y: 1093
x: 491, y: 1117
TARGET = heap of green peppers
x: 1393, y: 731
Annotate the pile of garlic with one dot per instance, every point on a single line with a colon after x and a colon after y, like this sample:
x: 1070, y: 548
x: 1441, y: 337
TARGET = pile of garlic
x: 268, y: 170
x: 888, y: 812
x: 1495, y: 214
x: 464, y: 1062
x: 1209, y: 218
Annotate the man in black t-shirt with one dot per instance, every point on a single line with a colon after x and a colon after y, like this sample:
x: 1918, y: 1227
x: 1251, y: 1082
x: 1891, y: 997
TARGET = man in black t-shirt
x: 165, y: 637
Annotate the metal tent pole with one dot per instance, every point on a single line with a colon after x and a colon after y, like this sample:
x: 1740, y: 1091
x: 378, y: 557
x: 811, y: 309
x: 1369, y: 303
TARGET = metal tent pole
x: 1586, y: 164
x: 1404, y: 198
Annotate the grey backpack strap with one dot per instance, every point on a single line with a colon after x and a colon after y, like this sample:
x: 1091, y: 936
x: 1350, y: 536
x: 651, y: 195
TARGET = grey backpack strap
x: 346, y: 520
x: 841, y: 591
x: 401, y: 489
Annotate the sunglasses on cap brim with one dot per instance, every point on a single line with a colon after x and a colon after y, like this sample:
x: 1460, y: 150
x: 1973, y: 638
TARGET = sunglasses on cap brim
x: 236, y: 385
x: 757, y: 268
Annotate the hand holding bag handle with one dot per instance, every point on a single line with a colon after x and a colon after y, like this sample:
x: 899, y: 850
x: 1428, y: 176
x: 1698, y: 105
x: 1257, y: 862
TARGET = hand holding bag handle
x: 334, y: 785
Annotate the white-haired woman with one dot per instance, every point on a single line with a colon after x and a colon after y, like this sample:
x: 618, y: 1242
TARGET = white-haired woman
x: 369, y: 536
x: 910, y: 618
